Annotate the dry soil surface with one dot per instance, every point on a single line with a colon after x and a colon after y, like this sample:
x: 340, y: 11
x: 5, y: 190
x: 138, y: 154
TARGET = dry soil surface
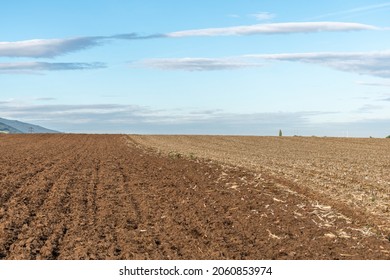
x: 108, y: 197
x: 350, y: 174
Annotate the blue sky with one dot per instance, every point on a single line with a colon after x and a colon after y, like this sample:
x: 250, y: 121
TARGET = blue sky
x: 198, y: 67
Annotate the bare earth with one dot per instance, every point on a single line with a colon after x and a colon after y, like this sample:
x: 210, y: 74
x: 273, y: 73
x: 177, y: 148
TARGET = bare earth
x: 197, y: 197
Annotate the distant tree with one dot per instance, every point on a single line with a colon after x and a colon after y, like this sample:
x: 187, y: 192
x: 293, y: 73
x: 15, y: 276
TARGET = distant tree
x: 388, y: 136
x: 280, y: 132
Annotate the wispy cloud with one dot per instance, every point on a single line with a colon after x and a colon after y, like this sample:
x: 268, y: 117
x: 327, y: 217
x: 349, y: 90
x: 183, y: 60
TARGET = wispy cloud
x: 274, y: 28
x: 263, y: 16
x: 136, y: 36
x: 367, y: 63
x: 32, y: 67
x: 46, y: 47
x: 49, y: 48
x: 45, y: 99
x: 373, y: 84
x: 198, y: 64
x: 369, y: 108
x: 356, y: 11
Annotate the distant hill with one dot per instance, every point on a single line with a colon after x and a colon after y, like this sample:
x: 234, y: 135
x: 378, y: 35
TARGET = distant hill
x: 13, y: 126
x: 8, y: 129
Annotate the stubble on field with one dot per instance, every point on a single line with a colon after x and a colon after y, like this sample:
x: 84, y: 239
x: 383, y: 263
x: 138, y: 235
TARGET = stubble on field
x: 349, y: 174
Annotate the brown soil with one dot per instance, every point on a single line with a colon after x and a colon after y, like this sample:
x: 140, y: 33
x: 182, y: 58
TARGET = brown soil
x: 103, y: 197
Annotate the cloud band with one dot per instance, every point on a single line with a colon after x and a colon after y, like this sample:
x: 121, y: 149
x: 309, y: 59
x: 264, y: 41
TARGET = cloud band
x: 48, y: 48
x: 23, y: 67
x: 274, y: 28
x: 367, y: 63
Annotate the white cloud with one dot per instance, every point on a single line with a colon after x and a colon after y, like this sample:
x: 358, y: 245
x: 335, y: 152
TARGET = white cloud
x: 45, y: 47
x: 367, y: 63
x: 39, y: 48
x: 44, y: 99
x: 263, y: 16
x: 373, y: 84
x: 32, y: 67
x: 198, y: 64
x: 274, y: 28
x: 369, y: 108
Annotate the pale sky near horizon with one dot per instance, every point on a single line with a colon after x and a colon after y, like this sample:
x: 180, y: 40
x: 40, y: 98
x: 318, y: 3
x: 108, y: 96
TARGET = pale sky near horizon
x: 197, y: 67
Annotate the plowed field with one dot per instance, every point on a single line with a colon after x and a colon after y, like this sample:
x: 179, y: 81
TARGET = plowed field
x: 111, y: 197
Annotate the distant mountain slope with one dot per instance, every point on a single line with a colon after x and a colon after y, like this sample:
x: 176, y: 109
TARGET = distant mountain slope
x: 8, y: 129
x: 13, y: 126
